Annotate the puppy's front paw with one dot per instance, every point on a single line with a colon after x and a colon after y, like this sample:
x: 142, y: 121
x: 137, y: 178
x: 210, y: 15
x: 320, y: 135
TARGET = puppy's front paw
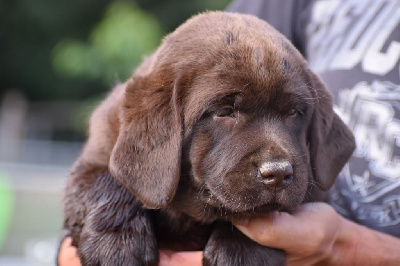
x: 228, y: 246
x: 133, y: 244
x: 117, y: 231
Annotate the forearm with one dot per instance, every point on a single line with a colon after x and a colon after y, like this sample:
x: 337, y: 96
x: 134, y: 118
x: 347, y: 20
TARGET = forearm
x: 359, y: 245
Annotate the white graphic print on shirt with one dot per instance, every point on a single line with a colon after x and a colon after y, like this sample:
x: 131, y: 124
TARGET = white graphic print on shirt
x: 369, y: 110
x: 341, y: 39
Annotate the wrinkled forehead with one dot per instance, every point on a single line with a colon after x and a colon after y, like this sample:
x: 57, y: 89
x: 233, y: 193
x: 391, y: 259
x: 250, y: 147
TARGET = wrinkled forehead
x: 226, y: 39
x: 262, y: 76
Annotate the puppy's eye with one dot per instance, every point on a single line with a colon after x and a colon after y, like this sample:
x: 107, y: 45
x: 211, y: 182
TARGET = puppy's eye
x: 293, y: 112
x: 224, y: 112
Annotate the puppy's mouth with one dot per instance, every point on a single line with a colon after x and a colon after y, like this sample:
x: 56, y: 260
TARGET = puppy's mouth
x: 229, y: 208
x: 226, y: 213
x: 266, y: 208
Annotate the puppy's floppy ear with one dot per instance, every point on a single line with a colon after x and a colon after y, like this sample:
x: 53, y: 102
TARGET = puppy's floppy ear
x: 146, y: 157
x: 331, y: 142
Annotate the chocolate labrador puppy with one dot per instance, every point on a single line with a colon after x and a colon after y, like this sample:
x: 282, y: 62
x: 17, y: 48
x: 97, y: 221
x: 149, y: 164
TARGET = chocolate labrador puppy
x: 223, y: 121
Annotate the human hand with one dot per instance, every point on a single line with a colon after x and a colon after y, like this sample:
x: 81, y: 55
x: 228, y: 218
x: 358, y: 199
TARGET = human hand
x: 308, y: 235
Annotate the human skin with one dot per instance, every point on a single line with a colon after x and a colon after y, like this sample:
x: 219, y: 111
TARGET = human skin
x: 315, y: 234
x: 68, y: 256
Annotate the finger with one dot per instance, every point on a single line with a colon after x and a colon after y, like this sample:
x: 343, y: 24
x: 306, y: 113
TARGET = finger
x: 172, y: 258
x: 68, y: 254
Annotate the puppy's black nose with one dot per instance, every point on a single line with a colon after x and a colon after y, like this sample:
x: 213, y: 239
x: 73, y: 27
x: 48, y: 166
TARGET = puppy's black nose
x: 276, y: 175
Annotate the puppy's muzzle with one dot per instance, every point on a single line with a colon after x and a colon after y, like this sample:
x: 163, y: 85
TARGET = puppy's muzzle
x: 276, y: 175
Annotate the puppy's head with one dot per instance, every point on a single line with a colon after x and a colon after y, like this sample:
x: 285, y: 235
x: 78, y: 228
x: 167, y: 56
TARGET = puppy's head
x: 227, y: 110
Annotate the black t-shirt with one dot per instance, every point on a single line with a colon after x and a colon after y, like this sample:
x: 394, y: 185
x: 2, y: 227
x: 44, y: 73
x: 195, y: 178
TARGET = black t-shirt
x: 354, y: 46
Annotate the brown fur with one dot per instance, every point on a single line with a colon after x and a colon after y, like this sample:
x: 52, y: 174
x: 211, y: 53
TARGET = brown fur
x: 178, y: 151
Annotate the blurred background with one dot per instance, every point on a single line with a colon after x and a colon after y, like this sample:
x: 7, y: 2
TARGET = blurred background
x: 58, y: 59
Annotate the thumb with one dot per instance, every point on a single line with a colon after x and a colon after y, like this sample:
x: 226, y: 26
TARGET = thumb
x: 287, y: 231
x: 278, y: 230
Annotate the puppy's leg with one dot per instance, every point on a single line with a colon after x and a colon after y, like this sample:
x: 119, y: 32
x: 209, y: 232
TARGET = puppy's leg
x: 115, y: 229
x: 228, y: 246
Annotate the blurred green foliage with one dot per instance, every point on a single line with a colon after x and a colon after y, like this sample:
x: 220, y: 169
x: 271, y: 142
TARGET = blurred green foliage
x: 74, y: 50
x: 29, y: 30
x: 116, y: 45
